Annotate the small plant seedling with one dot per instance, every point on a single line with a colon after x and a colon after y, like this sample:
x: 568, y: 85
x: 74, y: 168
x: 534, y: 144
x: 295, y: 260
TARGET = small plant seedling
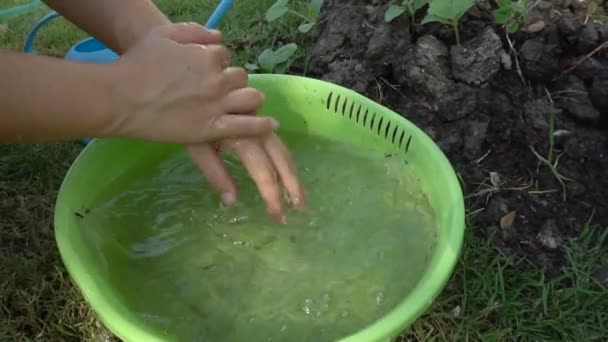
x: 552, y: 161
x: 280, y: 8
x: 510, y: 14
x: 274, y: 61
x: 410, y: 7
x: 448, y: 12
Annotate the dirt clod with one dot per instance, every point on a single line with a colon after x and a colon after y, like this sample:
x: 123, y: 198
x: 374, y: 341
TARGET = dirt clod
x: 574, y: 99
x: 476, y: 61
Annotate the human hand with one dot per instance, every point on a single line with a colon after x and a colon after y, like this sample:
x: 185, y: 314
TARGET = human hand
x: 264, y: 156
x: 180, y: 92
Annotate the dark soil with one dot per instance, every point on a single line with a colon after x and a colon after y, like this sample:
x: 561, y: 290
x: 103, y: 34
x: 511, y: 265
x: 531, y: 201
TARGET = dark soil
x: 472, y: 100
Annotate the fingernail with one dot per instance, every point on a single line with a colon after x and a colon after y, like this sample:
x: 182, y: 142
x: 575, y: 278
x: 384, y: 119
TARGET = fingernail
x: 275, y: 123
x: 299, y: 203
x: 228, y: 198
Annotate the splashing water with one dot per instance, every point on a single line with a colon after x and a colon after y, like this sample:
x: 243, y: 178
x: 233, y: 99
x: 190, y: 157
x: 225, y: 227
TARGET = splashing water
x: 195, y: 269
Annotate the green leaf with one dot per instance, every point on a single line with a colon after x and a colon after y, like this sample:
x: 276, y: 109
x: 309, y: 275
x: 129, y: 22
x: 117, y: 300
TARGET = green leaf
x: 451, y: 10
x: 284, y: 53
x: 282, y: 67
x: 314, y: 8
x: 429, y: 18
x: 513, y: 27
x: 502, y: 15
x: 252, y: 67
x: 393, y: 12
x: 266, y: 60
x: 304, y: 28
x: 277, y: 10
x: 418, y: 4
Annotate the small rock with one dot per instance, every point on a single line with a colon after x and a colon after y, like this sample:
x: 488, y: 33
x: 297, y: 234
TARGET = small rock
x: 425, y: 69
x: 575, y: 148
x: 497, y: 208
x: 601, y: 274
x: 536, y: 113
x: 568, y: 29
x: 382, y: 41
x: 459, y: 101
x: 590, y: 69
x: 575, y: 101
x: 545, y: 5
x: 340, y: 72
x: 339, y: 30
x: 536, y: 27
x: 500, y: 103
x: 588, y: 39
x: 549, y: 235
x: 505, y: 60
x: 560, y: 137
x: 474, y: 136
x: 456, y: 311
x: 598, y: 92
x: 477, y: 60
x: 538, y: 61
x: 451, y: 139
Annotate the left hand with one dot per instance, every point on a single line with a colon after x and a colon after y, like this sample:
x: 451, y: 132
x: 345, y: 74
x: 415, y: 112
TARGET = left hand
x: 266, y: 158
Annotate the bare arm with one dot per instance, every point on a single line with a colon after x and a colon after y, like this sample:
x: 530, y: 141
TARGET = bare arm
x: 46, y: 98
x: 117, y: 23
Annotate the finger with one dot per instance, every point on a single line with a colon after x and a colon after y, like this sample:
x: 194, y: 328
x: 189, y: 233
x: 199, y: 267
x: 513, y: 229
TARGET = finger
x: 261, y: 170
x: 213, y: 168
x: 286, y: 168
x: 191, y: 33
x: 237, y: 126
x: 236, y: 78
x: 243, y: 100
x: 220, y: 54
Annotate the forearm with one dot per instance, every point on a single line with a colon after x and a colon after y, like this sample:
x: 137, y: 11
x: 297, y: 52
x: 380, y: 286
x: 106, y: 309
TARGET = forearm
x: 117, y: 23
x: 50, y: 99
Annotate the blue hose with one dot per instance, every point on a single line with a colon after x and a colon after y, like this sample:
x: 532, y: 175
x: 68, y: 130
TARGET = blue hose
x: 21, y: 9
x: 219, y: 13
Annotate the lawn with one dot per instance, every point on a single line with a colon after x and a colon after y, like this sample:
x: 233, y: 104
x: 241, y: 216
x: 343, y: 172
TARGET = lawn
x: 492, y: 295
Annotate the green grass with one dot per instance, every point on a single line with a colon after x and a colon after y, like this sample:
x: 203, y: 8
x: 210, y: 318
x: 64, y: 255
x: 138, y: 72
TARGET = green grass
x: 489, y: 297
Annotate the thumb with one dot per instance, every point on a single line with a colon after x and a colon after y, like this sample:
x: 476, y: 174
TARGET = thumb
x: 238, y: 126
x: 190, y: 33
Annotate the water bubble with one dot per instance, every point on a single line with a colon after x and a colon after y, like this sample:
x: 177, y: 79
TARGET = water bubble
x: 344, y: 313
x: 283, y: 327
x: 238, y: 219
x: 380, y: 297
x: 306, y: 307
x: 325, y: 297
x: 324, y: 307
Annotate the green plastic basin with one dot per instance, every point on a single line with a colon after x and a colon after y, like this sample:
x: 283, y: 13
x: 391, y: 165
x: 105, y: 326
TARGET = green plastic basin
x: 302, y: 105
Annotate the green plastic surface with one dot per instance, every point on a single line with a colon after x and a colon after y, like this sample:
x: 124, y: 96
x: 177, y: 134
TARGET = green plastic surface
x: 301, y: 105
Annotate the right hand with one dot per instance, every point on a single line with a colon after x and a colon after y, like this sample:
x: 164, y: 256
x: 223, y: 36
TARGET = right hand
x: 184, y: 93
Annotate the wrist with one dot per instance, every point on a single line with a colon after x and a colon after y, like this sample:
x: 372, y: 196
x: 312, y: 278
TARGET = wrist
x: 130, y: 32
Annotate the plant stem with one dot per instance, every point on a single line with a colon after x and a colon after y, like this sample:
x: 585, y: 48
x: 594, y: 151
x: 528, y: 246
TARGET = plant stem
x: 298, y: 15
x: 456, y: 33
x: 551, y: 130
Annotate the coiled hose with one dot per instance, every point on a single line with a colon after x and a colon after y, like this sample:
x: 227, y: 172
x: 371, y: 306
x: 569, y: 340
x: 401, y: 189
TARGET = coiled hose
x: 18, y: 10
